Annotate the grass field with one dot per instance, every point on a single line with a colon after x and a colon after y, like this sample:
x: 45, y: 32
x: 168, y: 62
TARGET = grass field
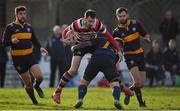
x: 96, y: 98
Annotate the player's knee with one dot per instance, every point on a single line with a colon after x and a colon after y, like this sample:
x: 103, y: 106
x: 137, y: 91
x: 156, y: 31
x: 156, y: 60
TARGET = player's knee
x: 84, y: 82
x: 39, y: 78
x: 72, y: 71
x: 137, y: 84
x: 137, y: 80
x: 141, y: 84
x: 27, y: 85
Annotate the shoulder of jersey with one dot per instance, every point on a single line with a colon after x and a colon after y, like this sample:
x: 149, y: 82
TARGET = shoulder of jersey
x: 28, y: 24
x: 10, y: 25
x: 133, y: 21
x: 116, y: 29
x: 77, y: 19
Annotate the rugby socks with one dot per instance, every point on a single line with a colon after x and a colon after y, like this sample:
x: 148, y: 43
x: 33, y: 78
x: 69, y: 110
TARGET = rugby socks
x: 37, y: 84
x: 116, y: 93
x: 137, y: 90
x: 30, y: 92
x: 82, y: 90
x: 127, y: 96
x: 132, y: 88
x: 65, y: 79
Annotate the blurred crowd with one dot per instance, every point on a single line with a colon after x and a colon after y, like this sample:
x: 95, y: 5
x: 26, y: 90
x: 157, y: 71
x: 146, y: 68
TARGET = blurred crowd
x: 164, y: 58
x: 161, y: 59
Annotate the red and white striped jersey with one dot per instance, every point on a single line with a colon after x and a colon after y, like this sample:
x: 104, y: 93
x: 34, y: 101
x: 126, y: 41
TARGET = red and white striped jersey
x: 89, y: 33
x: 86, y: 33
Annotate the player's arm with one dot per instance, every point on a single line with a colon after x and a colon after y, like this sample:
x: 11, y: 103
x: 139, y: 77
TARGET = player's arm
x: 37, y: 44
x: 82, y: 45
x: 65, y: 32
x: 119, y: 56
x: 147, y: 38
x: 145, y: 35
x: 6, y: 39
x: 69, y: 33
x: 35, y: 41
x: 109, y: 37
x: 66, y: 35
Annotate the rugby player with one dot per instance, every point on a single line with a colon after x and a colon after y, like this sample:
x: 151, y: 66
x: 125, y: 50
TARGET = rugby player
x: 19, y: 35
x: 131, y: 31
x: 103, y: 59
x: 84, y: 29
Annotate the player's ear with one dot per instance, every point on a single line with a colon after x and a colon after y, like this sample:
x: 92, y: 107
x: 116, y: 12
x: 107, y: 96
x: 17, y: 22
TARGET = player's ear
x: 127, y: 15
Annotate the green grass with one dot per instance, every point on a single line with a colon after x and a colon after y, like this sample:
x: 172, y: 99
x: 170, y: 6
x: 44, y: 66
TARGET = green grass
x: 96, y: 98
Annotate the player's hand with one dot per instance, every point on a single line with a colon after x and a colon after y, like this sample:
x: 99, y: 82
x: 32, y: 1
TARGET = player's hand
x: 147, y: 39
x: 44, y: 51
x: 81, y: 45
x: 120, y: 56
x: 15, y: 41
x: 70, y: 38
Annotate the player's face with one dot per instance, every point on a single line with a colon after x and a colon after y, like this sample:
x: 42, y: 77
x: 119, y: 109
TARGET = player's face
x: 89, y: 21
x: 122, y: 17
x: 21, y: 16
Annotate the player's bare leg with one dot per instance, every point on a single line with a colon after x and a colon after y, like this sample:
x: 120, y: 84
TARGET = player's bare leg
x: 36, y: 71
x: 143, y: 77
x: 67, y: 76
x: 28, y: 86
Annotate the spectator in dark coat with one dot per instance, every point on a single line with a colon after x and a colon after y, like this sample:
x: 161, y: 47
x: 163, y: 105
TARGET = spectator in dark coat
x: 171, y: 60
x: 154, y: 64
x: 168, y: 28
x: 56, y: 49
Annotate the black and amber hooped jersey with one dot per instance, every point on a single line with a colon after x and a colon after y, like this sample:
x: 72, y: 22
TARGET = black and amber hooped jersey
x: 25, y: 34
x: 104, y: 47
x: 130, y: 33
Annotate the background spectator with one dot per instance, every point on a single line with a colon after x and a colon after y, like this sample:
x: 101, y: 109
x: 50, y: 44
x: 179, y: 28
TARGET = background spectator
x: 56, y: 49
x: 154, y: 63
x: 168, y: 28
x: 171, y: 60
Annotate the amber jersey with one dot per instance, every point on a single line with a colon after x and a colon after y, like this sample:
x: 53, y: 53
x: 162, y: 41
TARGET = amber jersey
x: 130, y: 33
x: 25, y: 34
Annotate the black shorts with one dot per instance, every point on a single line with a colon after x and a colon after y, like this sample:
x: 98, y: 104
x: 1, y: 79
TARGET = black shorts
x: 103, y: 63
x: 23, y: 63
x: 83, y: 51
x: 136, y: 61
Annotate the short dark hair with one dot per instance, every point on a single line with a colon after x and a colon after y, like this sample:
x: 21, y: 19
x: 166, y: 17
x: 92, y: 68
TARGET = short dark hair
x: 121, y: 9
x: 20, y: 8
x: 90, y: 13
